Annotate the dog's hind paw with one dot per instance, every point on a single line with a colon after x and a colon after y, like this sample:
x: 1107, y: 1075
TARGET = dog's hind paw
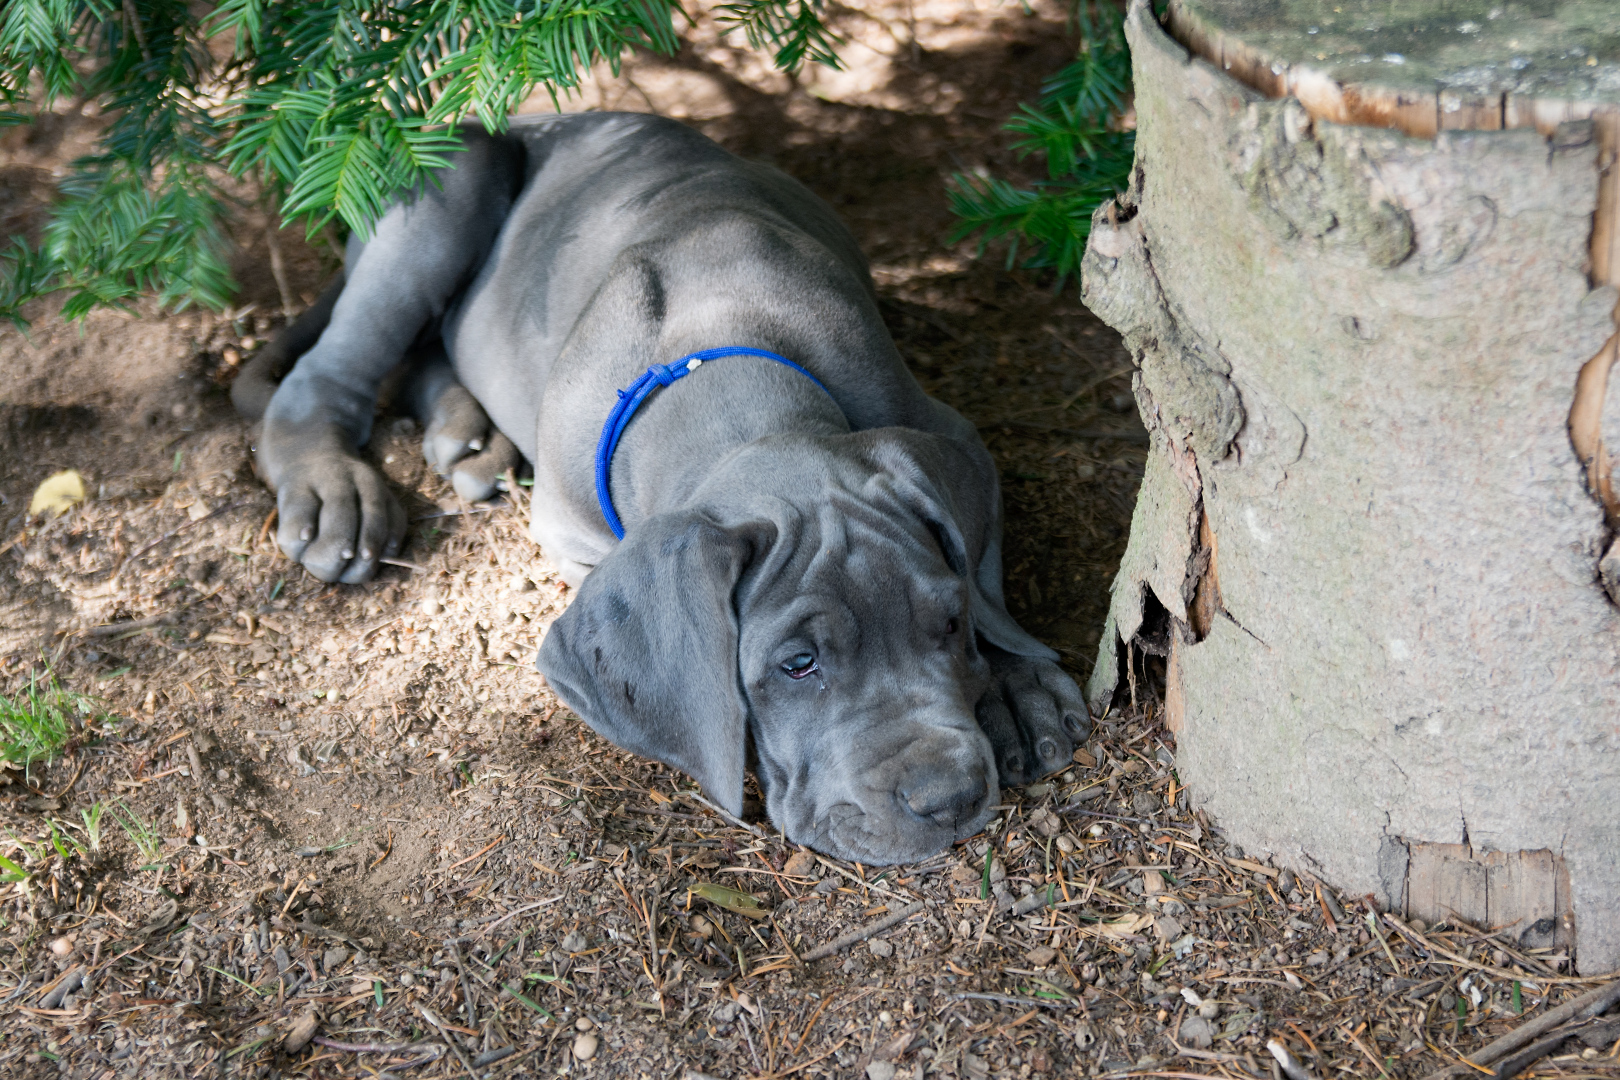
x: 475, y: 477
x: 1033, y: 714
x: 462, y: 444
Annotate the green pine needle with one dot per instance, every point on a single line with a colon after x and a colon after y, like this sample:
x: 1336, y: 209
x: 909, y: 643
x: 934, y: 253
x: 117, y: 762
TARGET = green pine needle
x: 333, y: 106
x: 1087, y: 162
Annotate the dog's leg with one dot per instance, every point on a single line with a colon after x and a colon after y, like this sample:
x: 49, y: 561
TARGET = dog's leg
x: 255, y: 384
x: 460, y: 442
x: 337, y: 516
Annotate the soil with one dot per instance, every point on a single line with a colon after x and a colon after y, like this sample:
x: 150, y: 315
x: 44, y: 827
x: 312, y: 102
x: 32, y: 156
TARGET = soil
x: 349, y: 829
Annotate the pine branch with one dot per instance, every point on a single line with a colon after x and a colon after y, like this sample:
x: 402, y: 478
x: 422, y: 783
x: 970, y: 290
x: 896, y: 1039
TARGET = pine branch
x: 331, y: 106
x: 1088, y: 162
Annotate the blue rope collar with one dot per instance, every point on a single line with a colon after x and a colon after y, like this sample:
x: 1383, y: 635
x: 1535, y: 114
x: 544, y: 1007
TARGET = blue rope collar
x: 630, y: 400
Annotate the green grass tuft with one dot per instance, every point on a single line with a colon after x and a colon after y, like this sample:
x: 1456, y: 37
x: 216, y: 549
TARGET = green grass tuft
x: 37, y: 724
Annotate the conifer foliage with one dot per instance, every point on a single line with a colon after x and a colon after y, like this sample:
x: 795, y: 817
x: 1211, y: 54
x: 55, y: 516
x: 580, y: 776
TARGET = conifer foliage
x: 331, y: 106
x: 1088, y: 161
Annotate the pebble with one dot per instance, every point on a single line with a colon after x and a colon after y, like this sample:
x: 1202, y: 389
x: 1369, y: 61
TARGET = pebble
x: 303, y: 1030
x: 574, y: 942
x: 585, y: 1046
x: 880, y: 947
x: 880, y: 1070
x: 1197, y: 1032
x: 63, y: 946
x: 584, y: 1023
x: 431, y: 606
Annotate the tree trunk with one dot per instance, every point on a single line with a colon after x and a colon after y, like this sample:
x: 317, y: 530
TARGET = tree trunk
x: 1365, y: 544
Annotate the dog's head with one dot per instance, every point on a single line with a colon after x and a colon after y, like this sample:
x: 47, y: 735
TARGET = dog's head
x: 823, y: 603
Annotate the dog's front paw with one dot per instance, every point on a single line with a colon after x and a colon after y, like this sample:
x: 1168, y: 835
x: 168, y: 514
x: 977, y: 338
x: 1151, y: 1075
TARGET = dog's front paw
x: 1033, y: 714
x: 335, y: 512
x: 462, y: 444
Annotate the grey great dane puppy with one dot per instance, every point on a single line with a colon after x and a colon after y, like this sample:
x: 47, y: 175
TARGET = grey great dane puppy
x: 811, y: 578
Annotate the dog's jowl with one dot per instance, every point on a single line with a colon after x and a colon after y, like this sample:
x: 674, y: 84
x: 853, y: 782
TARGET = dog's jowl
x: 688, y: 349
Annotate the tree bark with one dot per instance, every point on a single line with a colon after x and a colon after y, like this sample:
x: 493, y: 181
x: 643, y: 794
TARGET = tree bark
x: 1365, y: 543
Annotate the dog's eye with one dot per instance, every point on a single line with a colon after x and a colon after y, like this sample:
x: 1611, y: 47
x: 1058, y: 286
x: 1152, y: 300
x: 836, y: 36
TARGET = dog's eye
x: 950, y: 627
x: 800, y: 666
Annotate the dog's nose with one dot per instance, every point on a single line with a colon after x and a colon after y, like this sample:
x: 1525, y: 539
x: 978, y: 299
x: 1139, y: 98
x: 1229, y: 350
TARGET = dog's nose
x: 947, y: 798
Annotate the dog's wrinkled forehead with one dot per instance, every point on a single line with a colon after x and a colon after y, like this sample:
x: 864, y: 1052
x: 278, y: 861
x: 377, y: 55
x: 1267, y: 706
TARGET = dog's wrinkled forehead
x: 858, y: 556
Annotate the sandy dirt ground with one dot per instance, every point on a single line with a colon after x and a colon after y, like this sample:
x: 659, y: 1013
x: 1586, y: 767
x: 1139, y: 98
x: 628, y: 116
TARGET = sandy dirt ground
x: 347, y: 829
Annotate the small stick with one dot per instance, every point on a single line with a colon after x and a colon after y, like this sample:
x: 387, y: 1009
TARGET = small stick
x: 1489, y: 969
x: 492, y: 846
x: 857, y: 936
x: 1285, y: 1061
x: 454, y: 513
x: 466, y: 990
x: 386, y: 850
x: 726, y: 814
x: 76, y: 774
x: 278, y: 270
x: 450, y: 1040
x: 1006, y: 999
x: 1584, y: 1007
x: 370, y: 1048
x: 264, y: 530
x: 407, y: 564
x: 110, y: 629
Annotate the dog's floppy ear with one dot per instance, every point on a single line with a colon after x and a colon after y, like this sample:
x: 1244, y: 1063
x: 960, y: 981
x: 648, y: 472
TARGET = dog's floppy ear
x: 647, y: 652
x: 956, y: 492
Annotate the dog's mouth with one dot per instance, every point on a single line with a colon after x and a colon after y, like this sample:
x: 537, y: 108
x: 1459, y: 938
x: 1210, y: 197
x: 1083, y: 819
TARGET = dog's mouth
x: 886, y: 829
x: 859, y: 835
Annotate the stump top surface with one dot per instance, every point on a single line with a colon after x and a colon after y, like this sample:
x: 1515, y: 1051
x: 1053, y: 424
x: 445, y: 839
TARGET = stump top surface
x: 1549, y: 49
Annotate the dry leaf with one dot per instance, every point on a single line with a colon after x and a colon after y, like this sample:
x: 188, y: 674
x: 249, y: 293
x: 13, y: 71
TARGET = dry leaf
x: 738, y: 903
x: 59, y: 492
x: 799, y: 864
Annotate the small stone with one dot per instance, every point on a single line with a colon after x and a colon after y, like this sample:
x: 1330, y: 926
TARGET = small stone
x: 1316, y: 959
x: 880, y: 947
x: 1167, y: 928
x: 1065, y: 844
x: 584, y: 1023
x: 799, y: 864
x: 1048, y: 823
x: 1153, y: 883
x: 1146, y: 804
x: 1209, y: 1010
x: 574, y: 942
x: 1197, y: 1033
x: 1041, y: 955
x: 726, y: 1013
x: 585, y: 1046
x: 431, y: 606
x: 333, y: 959
x: 302, y: 1031
x: 880, y: 1070
x: 62, y: 947
x: 1286, y: 882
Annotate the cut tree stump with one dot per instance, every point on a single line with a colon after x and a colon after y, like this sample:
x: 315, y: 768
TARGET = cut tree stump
x: 1366, y: 269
